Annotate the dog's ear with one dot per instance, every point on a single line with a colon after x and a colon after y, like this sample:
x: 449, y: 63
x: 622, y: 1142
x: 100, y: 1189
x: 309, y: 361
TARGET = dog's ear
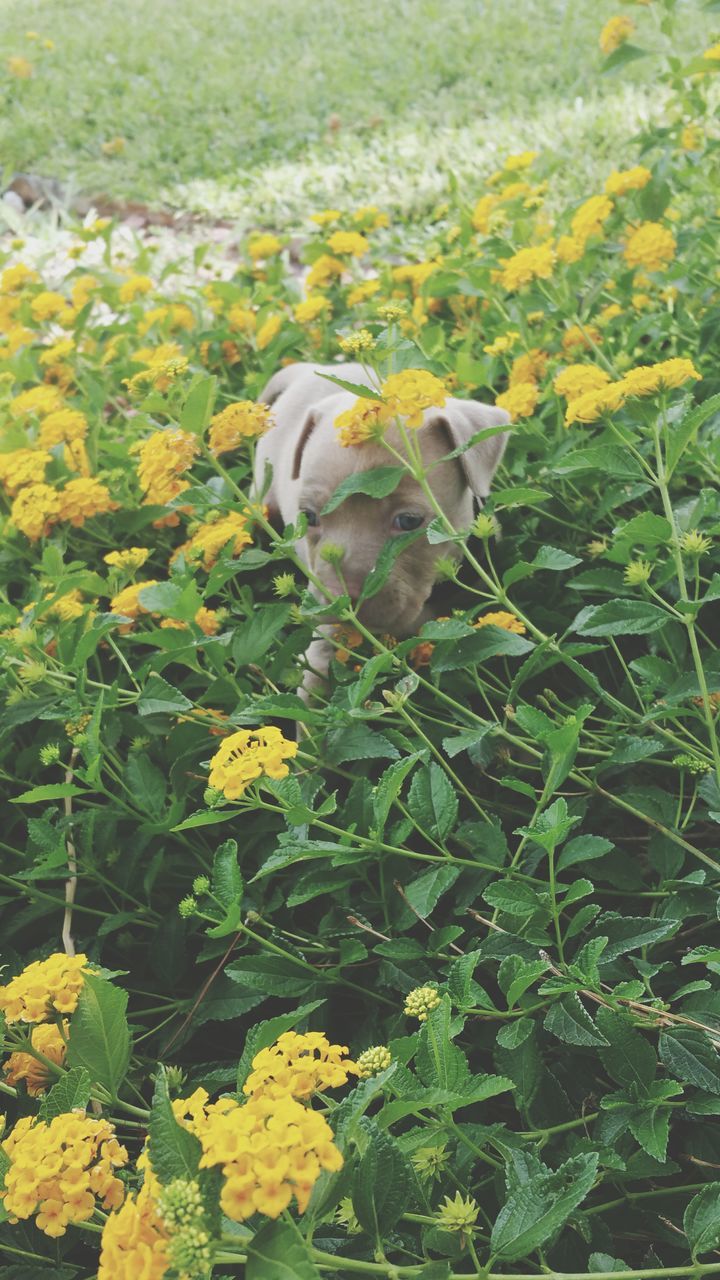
x: 463, y: 419
x: 306, y: 431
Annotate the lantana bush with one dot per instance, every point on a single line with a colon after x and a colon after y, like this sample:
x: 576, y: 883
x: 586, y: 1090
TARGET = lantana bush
x: 415, y: 977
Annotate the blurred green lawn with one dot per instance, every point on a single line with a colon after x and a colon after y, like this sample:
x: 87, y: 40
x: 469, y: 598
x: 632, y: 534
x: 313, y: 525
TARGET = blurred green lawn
x: 227, y: 106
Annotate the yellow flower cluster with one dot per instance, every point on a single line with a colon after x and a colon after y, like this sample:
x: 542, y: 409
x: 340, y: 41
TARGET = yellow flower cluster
x: 265, y: 246
x: 348, y: 242
x: 534, y: 263
x: 127, y: 601
x: 619, y: 182
x: 507, y: 621
x: 22, y: 467
x: 35, y: 509
x: 36, y: 400
x: 371, y: 1061
x: 83, y: 498
x: 209, y: 538
x: 650, y: 246
x: 242, y: 420
x: 588, y: 220
x: 248, y: 755
x: 420, y: 1002
x: 519, y: 400
x: 47, y: 1040
x: 58, y: 1171
x: 297, y: 1066
x: 311, y: 308
x: 44, y: 989
x: 645, y: 380
x: 323, y: 272
x: 129, y: 560
x: 364, y: 420
x: 134, y: 1243
x: 162, y: 461
x: 410, y: 393
x: 269, y: 1150
x: 578, y: 379
x: 615, y: 33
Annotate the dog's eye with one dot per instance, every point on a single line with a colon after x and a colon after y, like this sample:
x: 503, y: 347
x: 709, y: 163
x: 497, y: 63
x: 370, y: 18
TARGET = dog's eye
x: 310, y: 515
x: 407, y: 520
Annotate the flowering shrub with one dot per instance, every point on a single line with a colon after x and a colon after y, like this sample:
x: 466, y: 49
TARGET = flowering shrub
x: 417, y: 978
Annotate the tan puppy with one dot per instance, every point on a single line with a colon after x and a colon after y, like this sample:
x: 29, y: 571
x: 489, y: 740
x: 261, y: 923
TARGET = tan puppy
x: 308, y: 463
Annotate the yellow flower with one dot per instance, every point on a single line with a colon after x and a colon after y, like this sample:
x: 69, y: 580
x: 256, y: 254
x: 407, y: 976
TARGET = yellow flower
x: 129, y: 560
x: 67, y: 607
x: 502, y: 343
x: 242, y: 420
x: 519, y: 400
x: 48, y: 1041
x: 39, y: 400
x: 411, y: 392
x: 365, y: 420
x: 528, y: 367
x: 134, y: 1243
x: 415, y: 273
x: 324, y: 270
x: 588, y: 220
x: 650, y: 245
x: 713, y: 53
x: 44, y: 988
x: 458, y: 1214
x: 209, y: 539
x: 57, y: 352
x: 311, y: 308
x: 645, y: 380
x: 22, y: 467
x: 619, y: 182
x: 483, y: 212
x: 83, y: 498
x: 353, y: 344
x: 63, y: 426
x: 81, y: 290
x: 348, y: 242
x: 163, y: 458
x: 361, y: 292
x: 325, y: 217
x: 19, y: 67
x: 534, y: 263
x: 507, y: 621
x: 47, y: 305
x: 264, y: 247
x: 57, y: 1169
x: 370, y: 217
x: 114, y: 146
x: 520, y: 160
x: 373, y: 1060
x: 267, y: 331
x: 207, y: 620
x: 35, y: 509
x: 248, y: 755
x: 691, y: 138
x: 615, y: 32
x: 242, y: 319
x: 570, y: 249
x: 17, y: 277
x: 127, y: 601
x: 608, y: 314
x: 297, y: 1066
x: 134, y: 288
x: 591, y: 405
x: 577, y: 379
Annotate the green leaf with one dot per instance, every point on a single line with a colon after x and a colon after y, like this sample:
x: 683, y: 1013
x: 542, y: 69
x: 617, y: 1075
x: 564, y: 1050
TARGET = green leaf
x: 681, y: 433
x: 424, y: 893
x: 378, y: 482
x: 357, y: 388
x: 513, y: 897
x: 689, y: 1055
x: 382, y: 1184
x: 432, y: 801
x: 489, y: 642
x: 651, y: 1128
x: 386, y: 558
x: 467, y: 739
x: 569, y: 1020
x: 70, y: 1092
x: 253, y: 640
x: 358, y: 742
x: 147, y: 784
x: 628, y: 1058
x: 620, y: 58
x: 388, y: 789
x: 174, y: 1151
x: 629, y: 933
x: 199, y: 403
x: 50, y: 791
x: 621, y: 618
x: 278, y: 1252
x: 583, y: 849
x: 439, y: 1061
x: 160, y: 698
x: 99, y: 1034
x: 172, y: 600
x: 701, y: 1222
x: 227, y: 882
x: 539, y: 1207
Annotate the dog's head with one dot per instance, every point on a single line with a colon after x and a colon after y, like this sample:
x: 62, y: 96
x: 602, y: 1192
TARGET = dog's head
x: 361, y: 525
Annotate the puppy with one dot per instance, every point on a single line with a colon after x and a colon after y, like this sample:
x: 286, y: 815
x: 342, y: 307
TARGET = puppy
x: 308, y: 463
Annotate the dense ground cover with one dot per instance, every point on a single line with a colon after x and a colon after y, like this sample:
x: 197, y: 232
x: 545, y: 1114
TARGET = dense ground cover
x: 489, y: 863
x: 261, y: 112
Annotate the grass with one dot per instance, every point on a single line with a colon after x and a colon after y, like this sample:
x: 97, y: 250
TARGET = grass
x: 263, y: 112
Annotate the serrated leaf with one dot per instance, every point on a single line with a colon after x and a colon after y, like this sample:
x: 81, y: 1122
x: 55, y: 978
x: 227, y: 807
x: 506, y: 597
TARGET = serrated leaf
x: 569, y: 1020
x: 388, y: 789
x: 378, y: 482
x: 99, y: 1034
x: 432, y: 800
x: 622, y: 618
x: 540, y: 1207
x: 71, y: 1092
x: 49, y: 791
x: 628, y: 1058
x: 382, y: 1183
x: 688, y: 1054
x: 358, y: 742
x: 174, y: 1151
x: 227, y: 883
x: 439, y: 1061
x: 278, y: 1252
x: 199, y: 403
x: 701, y: 1222
x: 160, y: 698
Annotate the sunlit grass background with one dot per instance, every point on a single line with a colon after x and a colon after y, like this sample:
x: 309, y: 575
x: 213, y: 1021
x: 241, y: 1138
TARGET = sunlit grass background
x: 263, y: 111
